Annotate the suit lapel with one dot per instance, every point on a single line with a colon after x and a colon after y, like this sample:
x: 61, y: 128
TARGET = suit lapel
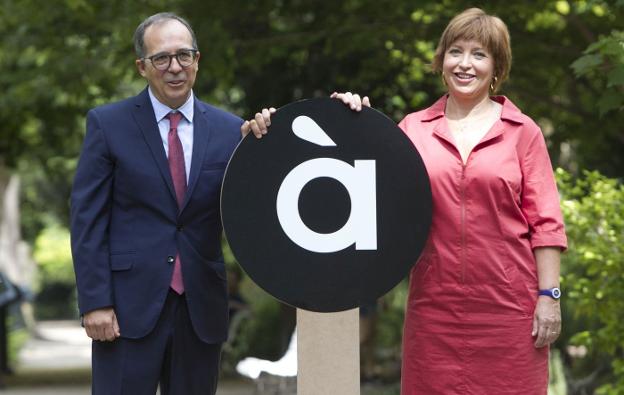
x: 145, y: 118
x: 201, y: 135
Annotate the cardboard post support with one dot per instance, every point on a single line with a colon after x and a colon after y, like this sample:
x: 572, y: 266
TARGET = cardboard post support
x: 328, y: 353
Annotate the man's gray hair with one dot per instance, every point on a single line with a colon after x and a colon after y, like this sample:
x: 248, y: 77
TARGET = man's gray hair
x: 139, y: 34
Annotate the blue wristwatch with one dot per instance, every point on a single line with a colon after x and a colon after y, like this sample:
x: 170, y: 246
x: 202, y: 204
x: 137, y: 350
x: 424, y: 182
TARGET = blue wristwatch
x: 554, y: 293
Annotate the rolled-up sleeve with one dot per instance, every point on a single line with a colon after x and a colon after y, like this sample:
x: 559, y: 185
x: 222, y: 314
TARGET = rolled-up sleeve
x: 540, y: 198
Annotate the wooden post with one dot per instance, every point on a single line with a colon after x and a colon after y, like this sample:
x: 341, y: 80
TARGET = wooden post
x: 328, y: 353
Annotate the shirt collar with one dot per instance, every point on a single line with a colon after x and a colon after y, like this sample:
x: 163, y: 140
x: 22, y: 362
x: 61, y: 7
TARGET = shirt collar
x: 161, y: 110
x: 510, y: 111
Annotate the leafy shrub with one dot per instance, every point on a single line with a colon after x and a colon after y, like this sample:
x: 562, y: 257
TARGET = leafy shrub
x: 593, y: 272
x: 53, y: 256
x: 56, y: 297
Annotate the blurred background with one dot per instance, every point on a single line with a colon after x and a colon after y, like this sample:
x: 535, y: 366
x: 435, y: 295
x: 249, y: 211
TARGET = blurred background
x: 59, y: 58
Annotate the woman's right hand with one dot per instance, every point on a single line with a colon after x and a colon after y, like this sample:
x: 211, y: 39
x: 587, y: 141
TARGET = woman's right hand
x: 353, y: 100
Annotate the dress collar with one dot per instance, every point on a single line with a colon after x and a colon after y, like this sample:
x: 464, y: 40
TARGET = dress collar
x: 510, y: 111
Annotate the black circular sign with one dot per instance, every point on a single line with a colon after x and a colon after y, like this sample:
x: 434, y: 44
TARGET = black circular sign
x: 330, y: 209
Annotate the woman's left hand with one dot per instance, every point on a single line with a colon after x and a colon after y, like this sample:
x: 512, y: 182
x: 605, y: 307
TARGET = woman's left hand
x: 546, y: 321
x: 353, y: 100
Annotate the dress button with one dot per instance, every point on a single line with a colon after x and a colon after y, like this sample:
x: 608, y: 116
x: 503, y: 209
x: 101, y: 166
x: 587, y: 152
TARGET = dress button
x: 170, y: 259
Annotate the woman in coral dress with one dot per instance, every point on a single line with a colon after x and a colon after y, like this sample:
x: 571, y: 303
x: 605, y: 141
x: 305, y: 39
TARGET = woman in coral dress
x: 483, y: 300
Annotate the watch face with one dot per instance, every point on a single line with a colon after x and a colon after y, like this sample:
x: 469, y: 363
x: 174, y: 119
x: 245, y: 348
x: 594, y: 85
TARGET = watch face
x: 556, y: 293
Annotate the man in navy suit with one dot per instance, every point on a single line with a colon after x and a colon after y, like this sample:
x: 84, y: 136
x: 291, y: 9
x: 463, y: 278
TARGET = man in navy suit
x: 146, y: 225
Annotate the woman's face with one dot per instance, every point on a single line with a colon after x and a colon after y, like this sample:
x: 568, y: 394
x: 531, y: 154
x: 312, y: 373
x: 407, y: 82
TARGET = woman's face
x: 468, y: 69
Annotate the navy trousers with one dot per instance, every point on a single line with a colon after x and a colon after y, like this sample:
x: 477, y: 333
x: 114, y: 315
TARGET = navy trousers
x: 171, y: 355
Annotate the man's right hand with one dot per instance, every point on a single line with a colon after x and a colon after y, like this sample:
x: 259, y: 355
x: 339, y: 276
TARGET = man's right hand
x: 101, y: 324
x: 259, y: 125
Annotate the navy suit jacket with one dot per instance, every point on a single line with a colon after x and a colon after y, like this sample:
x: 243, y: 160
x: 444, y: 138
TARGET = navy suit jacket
x: 126, y: 225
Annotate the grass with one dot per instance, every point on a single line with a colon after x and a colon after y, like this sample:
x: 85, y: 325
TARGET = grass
x: 16, y: 340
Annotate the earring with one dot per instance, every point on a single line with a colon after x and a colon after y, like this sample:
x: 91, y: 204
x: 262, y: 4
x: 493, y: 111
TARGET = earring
x: 492, y: 84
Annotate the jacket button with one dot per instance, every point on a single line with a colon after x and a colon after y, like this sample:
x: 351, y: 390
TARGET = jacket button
x: 180, y: 228
x: 170, y: 259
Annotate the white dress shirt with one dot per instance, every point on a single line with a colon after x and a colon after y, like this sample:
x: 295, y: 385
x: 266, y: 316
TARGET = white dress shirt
x: 185, y: 127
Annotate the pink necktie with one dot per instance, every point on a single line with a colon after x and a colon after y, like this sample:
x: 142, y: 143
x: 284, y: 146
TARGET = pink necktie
x: 178, y: 175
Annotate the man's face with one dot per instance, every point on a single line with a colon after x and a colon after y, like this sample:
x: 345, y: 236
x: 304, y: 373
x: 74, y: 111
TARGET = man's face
x: 173, y: 85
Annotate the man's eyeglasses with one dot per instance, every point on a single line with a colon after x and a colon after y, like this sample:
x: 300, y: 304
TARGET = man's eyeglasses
x: 162, y: 61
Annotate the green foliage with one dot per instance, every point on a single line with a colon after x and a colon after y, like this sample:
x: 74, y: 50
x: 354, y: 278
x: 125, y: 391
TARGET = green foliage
x: 53, y: 256
x: 56, y: 297
x: 593, y: 267
x: 556, y: 380
x: 59, y: 58
x: 258, y: 334
x: 392, y: 313
x: 17, y: 338
x: 604, y: 60
x: 260, y: 330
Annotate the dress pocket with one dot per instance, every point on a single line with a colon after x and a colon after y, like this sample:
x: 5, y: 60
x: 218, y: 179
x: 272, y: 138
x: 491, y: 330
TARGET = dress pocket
x: 421, y: 274
x: 487, y: 266
x: 515, y: 287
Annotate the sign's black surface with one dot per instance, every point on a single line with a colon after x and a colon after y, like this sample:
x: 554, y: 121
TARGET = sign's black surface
x: 330, y: 209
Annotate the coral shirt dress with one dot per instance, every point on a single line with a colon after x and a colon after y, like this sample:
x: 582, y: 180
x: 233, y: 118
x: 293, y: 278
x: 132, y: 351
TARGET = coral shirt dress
x: 473, y: 292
